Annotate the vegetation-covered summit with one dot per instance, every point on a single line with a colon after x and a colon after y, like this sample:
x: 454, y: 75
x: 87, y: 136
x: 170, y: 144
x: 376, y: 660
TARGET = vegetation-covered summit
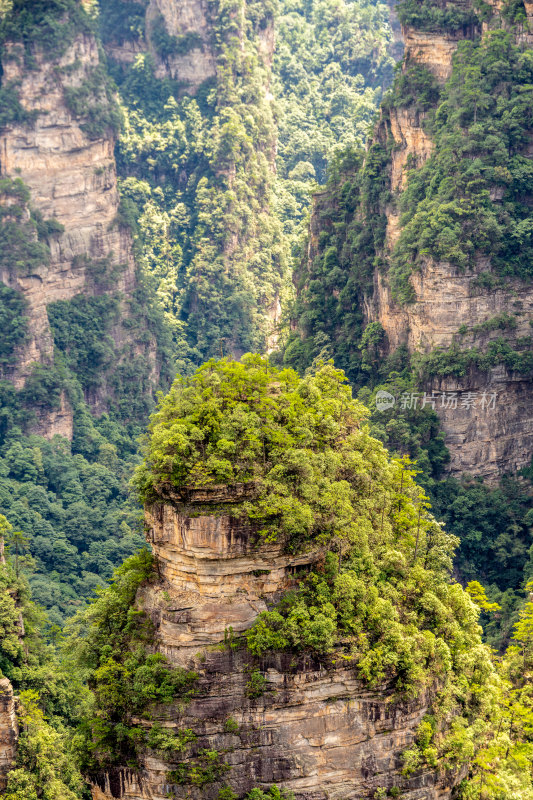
x: 380, y: 597
x: 314, y: 471
x: 320, y: 480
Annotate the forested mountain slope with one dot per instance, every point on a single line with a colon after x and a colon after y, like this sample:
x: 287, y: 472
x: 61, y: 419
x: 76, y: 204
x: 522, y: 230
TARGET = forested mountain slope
x: 428, y: 245
x: 83, y: 342
x: 231, y: 112
x: 300, y: 627
x: 103, y: 297
x: 417, y: 275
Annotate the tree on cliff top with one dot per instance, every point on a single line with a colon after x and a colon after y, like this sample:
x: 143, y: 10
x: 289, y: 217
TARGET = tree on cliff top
x: 313, y: 472
x: 380, y: 597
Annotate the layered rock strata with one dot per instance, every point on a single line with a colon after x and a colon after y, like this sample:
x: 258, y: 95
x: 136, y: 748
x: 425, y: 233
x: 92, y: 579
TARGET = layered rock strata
x: 452, y: 306
x: 315, y: 730
x: 72, y: 179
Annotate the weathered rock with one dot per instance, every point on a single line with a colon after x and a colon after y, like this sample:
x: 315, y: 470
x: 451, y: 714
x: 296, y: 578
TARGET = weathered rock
x: 186, y: 18
x: 72, y: 179
x: 8, y: 730
x: 452, y: 306
x: 487, y: 441
x: 316, y: 730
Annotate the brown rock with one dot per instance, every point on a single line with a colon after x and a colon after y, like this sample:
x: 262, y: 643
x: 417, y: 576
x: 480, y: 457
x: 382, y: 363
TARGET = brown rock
x: 317, y: 730
x: 8, y: 731
x: 72, y: 179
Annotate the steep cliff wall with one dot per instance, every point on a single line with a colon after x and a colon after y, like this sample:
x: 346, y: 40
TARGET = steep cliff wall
x: 316, y: 729
x: 59, y: 142
x: 465, y: 304
x: 8, y: 730
x: 293, y: 607
x: 178, y: 36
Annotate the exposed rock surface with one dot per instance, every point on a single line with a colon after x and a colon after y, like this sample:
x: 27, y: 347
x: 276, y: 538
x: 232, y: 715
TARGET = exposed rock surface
x: 452, y: 306
x: 194, y: 63
x: 8, y: 730
x: 186, y: 18
x: 316, y: 730
x: 72, y: 179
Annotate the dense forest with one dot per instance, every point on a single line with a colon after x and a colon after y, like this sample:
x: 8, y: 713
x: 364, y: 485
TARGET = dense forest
x: 257, y: 200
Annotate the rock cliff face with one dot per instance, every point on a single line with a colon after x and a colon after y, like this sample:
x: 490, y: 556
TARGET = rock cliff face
x: 189, y: 55
x: 189, y: 60
x: 451, y: 306
x: 316, y: 730
x: 71, y: 176
x: 8, y: 730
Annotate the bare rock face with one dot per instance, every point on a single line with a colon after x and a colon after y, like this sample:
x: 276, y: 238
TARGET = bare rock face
x: 315, y: 730
x: 451, y: 306
x: 188, y: 18
x: 192, y: 60
x: 72, y: 180
x: 413, y: 144
x: 8, y: 730
x: 431, y: 50
x: 216, y: 576
x: 487, y: 441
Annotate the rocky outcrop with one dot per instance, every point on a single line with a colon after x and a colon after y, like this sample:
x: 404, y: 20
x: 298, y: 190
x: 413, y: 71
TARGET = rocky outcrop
x: 188, y: 57
x: 315, y: 729
x: 71, y: 176
x: 482, y: 441
x: 179, y: 38
x: 8, y: 730
x: 431, y: 50
x: 188, y: 23
x: 413, y: 145
x: 452, y: 306
x: 217, y: 577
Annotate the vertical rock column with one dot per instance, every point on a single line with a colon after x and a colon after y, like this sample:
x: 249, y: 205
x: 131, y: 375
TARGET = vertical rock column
x: 8, y: 730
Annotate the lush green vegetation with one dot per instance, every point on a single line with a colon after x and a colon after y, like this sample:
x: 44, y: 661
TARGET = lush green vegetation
x: 51, y: 698
x: 381, y: 598
x: 331, y: 286
x: 13, y: 323
x: 215, y: 228
x: 331, y: 63
x: 469, y: 201
x: 50, y: 25
x: 81, y: 331
x: 214, y: 224
x: 299, y: 443
x: 319, y: 478
x: 122, y: 22
x: 198, y: 187
x: 110, y: 643
x: 94, y: 103
x: 74, y: 509
x: 458, y: 362
x: 22, y: 235
x: 470, y: 198
x: 435, y: 15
